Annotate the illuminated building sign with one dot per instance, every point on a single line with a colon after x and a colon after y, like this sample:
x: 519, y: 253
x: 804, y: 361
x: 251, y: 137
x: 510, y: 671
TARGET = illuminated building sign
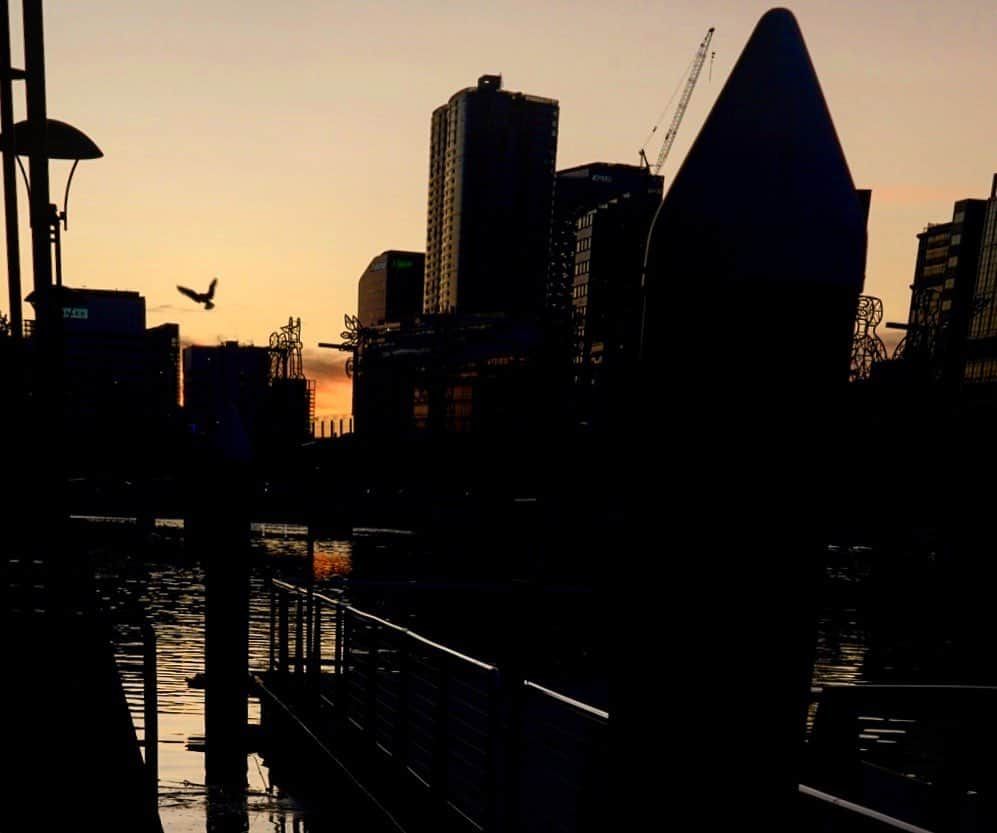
x: 402, y: 264
x: 75, y: 312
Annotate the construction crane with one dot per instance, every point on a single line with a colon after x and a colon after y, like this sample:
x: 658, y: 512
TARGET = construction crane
x: 695, y: 68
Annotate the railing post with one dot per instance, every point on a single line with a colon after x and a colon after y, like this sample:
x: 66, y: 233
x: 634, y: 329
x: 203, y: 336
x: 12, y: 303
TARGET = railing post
x: 284, y: 636
x: 309, y: 610
x: 315, y: 651
x: 401, y: 721
x: 272, y: 661
x: 151, y: 704
x: 371, y: 718
x: 515, y: 692
x: 344, y: 666
x: 441, y: 744
x: 337, y: 660
x: 493, y: 823
x: 299, y: 645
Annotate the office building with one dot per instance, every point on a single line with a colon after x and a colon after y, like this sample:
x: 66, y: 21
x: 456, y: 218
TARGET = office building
x: 942, y: 294
x: 226, y: 390
x: 606, y: 299
x: 577, y: 191
x: 981, y: 348
x: 391, y: 289
x: 119, y: 380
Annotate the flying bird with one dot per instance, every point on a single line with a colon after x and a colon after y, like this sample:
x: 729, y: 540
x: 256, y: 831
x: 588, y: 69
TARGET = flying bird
x: 201, y: 297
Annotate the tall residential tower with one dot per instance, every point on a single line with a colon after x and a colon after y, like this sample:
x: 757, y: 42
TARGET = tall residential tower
x: 491, y: 187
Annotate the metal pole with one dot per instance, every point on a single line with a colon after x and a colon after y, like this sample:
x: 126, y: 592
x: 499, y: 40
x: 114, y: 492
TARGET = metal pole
x: 41, y: 214
x: 151, y: 703
x: 441, y: 731
x: 10, y: 175
x: 272, y: 666
x: 56, y: 238
x: 402, y: 718
x: 315, y: 659
x: 282, y: 638
x: 299, y: 657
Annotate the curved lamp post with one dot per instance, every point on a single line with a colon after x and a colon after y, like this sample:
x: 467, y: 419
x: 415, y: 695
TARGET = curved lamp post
x: 62, y: 141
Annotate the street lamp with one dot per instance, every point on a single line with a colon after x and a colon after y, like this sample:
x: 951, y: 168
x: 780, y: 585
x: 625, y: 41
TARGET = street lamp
x: 62, y: 141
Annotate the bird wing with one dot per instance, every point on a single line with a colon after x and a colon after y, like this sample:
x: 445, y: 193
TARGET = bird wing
x: 190, y: 293
x: 211, y: 289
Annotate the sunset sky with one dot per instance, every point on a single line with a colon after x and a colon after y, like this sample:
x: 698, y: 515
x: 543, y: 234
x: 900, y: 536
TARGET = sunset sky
x: 280, y: 146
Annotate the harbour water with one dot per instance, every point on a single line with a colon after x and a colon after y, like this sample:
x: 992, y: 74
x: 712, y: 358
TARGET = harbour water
x: 171, y: 590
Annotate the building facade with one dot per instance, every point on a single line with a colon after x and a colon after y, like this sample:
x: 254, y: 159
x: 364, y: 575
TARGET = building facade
x: 491, y: 188
x: 606, y: 298
x: 943, y: 296
x: 577, y: 191
x: 981, y: 348
x: 226, y: 391
x: 120, y: 381
x: 391, y: 289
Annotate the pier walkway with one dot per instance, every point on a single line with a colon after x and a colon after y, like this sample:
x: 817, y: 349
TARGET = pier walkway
x: 424, y: 738
x: 434, y: 739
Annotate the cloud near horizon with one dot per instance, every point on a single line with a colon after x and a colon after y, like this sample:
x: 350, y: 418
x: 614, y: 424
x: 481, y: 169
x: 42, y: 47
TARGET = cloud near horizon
x: 333, y: 388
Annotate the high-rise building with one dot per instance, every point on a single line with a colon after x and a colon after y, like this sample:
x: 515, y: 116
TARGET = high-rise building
x: 942, y: 293
x: 491, y: 187
x: 606, y: 297
x: 579, y: 190
x: 391, y: 289
x: 981, y: 347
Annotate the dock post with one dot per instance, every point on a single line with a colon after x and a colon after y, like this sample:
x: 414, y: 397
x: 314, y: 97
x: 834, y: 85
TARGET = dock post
x: 218, y: 534
x: 151, y: 707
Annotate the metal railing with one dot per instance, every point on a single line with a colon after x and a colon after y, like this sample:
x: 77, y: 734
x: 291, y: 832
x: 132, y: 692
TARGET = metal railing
x: 835, y: 813
x: 136, y: 617
x: 564, y: 747
x: 486, y: 751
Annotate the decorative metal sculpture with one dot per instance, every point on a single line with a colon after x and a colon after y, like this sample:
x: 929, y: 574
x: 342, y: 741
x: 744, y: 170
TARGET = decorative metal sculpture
x: 867, y: 347
x: 922, y: 333
x: 285, y: 352
x: 353, y: 338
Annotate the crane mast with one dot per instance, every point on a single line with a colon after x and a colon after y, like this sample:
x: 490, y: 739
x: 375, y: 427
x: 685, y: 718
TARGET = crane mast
x: 697, y: 66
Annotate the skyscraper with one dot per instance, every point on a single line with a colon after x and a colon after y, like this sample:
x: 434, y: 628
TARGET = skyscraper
x: 491, y: 187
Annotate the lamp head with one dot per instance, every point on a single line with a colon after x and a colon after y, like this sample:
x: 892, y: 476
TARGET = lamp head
x: 64, y: 141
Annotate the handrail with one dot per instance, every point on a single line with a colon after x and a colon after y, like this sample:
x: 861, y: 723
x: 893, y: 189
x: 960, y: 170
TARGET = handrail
x: 863, y: 686
x: 303, y: 591
x: 571, y: 701
x: 868, y: 813
x: 466, y: 742
x: 370, y: 617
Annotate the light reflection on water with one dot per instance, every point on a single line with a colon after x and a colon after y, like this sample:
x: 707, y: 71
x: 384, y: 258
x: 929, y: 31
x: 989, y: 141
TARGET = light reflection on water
x: 172, y: 594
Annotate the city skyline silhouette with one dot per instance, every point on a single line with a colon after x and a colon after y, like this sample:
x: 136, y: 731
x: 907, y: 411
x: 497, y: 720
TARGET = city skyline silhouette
x: 309, y: 218
x: 608, y: 497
